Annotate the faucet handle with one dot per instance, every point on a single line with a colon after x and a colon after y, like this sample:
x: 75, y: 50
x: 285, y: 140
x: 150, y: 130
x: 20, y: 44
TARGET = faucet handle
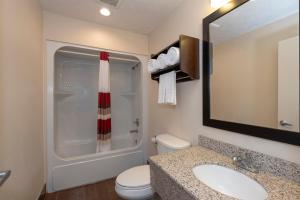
x: 236, y: 158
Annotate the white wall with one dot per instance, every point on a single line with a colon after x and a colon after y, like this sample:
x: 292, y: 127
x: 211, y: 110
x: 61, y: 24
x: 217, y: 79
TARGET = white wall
x: 185, y: 120
x: 70, y: 30
x: 21, y: 125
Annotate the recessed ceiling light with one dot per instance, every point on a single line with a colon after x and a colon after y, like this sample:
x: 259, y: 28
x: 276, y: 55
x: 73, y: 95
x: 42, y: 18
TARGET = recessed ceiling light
x: 104, y: 12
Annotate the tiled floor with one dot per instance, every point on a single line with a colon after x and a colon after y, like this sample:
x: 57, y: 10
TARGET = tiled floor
x: 104, y: 190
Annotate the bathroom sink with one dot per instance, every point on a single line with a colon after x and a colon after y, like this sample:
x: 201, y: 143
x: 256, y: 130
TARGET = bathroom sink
x: 230, y: 182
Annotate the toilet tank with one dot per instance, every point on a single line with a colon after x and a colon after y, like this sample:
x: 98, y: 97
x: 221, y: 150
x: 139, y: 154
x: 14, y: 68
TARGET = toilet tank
x: 167, y: 143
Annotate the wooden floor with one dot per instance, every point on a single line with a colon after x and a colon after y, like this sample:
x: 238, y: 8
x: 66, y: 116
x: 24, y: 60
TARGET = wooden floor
x: 104, y: 190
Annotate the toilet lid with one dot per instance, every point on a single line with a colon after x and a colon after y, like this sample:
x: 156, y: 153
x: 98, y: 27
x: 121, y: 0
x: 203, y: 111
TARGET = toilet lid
x: 135, y: 177
x: 172, y: 142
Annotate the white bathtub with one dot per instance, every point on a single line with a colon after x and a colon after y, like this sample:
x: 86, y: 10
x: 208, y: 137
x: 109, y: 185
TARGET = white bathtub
x: 79, y: 164
x: 73, y: 163
x: 75, y: 148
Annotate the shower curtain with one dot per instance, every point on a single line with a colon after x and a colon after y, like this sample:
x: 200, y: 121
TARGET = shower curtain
x: 104, y: 112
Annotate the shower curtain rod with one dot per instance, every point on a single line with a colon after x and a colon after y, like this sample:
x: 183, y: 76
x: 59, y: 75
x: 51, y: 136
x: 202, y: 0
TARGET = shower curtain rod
x: 94, y: 55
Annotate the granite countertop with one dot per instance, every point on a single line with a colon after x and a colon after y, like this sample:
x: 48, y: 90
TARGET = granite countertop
x: 178, y: 165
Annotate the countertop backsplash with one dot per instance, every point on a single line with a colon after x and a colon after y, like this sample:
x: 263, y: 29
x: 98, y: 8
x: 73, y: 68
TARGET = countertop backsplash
x: 263, y: 162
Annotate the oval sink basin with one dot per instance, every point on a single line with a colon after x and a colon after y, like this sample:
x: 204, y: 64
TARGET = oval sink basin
x: 230, y: 182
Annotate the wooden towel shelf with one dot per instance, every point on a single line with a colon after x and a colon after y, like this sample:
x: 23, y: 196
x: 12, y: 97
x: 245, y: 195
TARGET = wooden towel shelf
x: 188, y: 67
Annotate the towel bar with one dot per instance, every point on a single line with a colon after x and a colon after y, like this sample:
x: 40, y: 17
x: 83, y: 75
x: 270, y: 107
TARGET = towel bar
x: 181, y: 78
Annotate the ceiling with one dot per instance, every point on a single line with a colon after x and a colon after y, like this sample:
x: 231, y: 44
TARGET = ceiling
x: 140, y: 16
x: 251, y: 16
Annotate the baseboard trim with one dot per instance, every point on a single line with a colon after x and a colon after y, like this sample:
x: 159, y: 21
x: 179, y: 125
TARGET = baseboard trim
x: 43, y: 193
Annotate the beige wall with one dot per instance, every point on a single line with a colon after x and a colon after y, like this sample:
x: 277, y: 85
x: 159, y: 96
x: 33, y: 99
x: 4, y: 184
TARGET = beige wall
x: 21, y: 131
x: 244, y: 79
x: 185, y: 120
x: 70, y: 30
x: 21, y: 141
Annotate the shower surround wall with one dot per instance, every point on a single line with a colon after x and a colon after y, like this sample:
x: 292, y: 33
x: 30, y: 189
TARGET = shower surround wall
x: 75, y: 110
x: 72, y: 85
x: 75, y: 97
x: 125, y: 103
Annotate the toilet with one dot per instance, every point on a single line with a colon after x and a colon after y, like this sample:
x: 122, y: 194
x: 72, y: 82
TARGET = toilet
x: 134, y: 183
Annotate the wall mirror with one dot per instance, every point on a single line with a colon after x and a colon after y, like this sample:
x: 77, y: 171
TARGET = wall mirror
x: 251, y: 69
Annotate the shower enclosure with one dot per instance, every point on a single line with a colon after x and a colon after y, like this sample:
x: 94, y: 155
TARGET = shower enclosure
x: 72, y: 103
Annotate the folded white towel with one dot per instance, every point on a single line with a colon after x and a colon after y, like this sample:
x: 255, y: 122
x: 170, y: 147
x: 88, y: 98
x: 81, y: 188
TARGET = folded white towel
x: 153, y: 65
x: 162, y: 60
x: 167, y: 88
x: 173, y: 56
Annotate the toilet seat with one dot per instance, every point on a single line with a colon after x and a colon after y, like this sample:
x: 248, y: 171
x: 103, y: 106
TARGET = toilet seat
x: 132, y: 188
x: 134, y: 183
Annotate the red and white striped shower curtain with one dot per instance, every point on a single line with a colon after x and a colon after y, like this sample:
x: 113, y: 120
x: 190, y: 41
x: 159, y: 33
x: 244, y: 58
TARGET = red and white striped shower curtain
x: 104, y: 112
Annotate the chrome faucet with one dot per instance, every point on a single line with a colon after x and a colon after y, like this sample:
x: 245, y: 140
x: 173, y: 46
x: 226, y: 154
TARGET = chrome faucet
x: 4, y: 175
x: 244, y: 163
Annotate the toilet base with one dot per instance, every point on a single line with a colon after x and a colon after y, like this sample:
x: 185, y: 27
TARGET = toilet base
x: 144, y: 193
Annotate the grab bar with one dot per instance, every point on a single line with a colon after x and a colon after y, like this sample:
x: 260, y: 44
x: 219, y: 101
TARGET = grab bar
x: 133, y: 131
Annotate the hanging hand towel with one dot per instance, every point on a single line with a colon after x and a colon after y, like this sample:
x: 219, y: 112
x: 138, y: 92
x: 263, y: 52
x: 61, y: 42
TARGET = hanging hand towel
x: 167, y: 88
x: 104, y: 113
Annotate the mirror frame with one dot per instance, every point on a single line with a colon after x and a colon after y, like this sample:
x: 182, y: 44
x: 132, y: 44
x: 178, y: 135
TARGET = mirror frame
x: 252, y: 130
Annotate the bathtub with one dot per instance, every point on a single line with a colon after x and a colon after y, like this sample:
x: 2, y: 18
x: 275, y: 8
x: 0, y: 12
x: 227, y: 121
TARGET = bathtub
x: 72, y: 170
x: 75, y: 148
x: 72, y: 163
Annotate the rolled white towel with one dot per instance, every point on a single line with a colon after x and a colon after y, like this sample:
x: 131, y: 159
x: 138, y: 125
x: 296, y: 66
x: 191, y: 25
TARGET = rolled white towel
x: 162, y: 60
x: 150, y: 65
x: 153, y: 65
x: 173, y: 56
x: 156, y: 65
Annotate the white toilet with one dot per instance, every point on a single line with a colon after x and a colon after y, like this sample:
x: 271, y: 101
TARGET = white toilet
x: 134, y: 183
